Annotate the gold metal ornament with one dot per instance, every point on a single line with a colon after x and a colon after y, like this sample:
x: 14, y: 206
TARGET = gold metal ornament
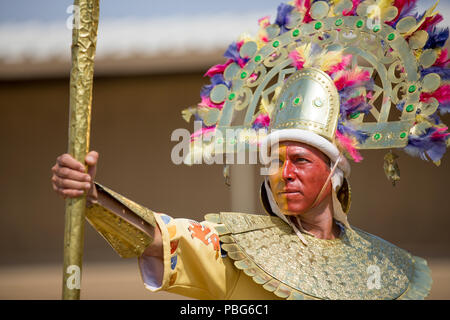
x: 226, y: 174
x: 316, y: 89
x: 324, y: 269
x: 84, y: 38
x: 344, y: 196
x: 391, y: 168
x: 377, y: 47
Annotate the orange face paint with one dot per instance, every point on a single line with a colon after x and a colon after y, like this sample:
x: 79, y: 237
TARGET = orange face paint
x: 301, y: 173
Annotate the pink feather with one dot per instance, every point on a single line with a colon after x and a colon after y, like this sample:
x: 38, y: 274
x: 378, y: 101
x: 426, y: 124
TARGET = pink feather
x: 355, y: 101
x: 442, y: 94
x: 202, y: 132
x: 297, y: 60
x: 400, y: 4
x: 352, y: 11
x: 440, y: 133
x: 206, y: 102
x: 262, y: 119
x: 351, y: 78
x: 264, y: 22
x: 304, y: 6
x: 264, y: 38
x: 217, y: 69
x: 346, y: 60
x: 442, y: 60
x: 348, y: 145
x: 253, y: 77
x: 431, y: 22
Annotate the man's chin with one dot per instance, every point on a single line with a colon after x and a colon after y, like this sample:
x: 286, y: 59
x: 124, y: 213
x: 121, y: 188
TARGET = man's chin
x: 294, y: 210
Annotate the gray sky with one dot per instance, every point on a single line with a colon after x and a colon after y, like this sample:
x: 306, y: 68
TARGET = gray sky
x: 55, y: 10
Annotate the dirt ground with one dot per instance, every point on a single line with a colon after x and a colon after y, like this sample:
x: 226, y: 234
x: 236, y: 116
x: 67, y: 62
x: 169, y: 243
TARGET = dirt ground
x: 121, y: 280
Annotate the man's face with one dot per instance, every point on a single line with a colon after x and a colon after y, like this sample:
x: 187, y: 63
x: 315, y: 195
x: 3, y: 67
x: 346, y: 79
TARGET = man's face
x: 301, y: 172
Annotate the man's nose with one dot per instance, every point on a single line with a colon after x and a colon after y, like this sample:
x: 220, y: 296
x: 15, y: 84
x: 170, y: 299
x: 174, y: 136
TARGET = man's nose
x: 288, y: 171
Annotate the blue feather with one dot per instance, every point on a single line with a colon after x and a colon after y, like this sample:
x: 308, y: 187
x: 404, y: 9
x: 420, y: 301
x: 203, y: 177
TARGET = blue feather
x: 215, y: 80
x: 347, y: 130
x: 406, y: 11
x: 347, y: 109
x: 444, y: 108
x: 400, y: 106
x: 425, y: 145
x: 232, y: 52
x: 437, y: 38
x: 443, y: 72
x: 283, y: 16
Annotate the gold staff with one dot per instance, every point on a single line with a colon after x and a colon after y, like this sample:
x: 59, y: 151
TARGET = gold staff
x: 84, y: 39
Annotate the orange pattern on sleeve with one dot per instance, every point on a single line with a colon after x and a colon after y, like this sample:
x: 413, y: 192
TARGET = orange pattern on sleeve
x: 201, y: 232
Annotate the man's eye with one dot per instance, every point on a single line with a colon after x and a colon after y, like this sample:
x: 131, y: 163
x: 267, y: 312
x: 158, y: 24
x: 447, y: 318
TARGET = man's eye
x: 301, y: 160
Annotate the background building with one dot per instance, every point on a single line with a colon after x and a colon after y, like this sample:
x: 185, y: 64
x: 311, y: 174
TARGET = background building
x: 150, y: 64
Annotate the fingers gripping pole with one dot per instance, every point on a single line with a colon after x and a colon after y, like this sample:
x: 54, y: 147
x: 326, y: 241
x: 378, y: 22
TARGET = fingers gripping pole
x: 84, y: 39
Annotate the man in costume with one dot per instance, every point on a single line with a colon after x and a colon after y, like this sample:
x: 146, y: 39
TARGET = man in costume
x: 325, y: 79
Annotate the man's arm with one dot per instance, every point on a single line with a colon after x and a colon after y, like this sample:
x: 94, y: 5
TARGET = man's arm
x: 106, y: 201
x: 105, y: 212
x: 175, y: 255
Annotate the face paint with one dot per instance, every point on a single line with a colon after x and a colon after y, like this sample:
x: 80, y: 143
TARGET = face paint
x: 299, y: 177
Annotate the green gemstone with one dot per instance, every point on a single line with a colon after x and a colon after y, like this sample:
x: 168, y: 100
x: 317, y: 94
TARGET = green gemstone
x: 338, y: 22
x: 403, y: 135
x: 410, y: 108
x: 276, y: 44
x: 243, y: 75
x: 281, y: 105
x: 297, y: 100
x: 355, y: 115
x: 359, y: 23
x: 376, y: 28
x: 377, y: 136
x: 231, y: 96
x: 296, y: 32
x: 391, y: 36
x: 257, y: 58
x: 318, y: 25
x: 411, y: 89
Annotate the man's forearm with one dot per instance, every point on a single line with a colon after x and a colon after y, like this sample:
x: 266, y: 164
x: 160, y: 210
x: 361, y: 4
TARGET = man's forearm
x: 106, y: 213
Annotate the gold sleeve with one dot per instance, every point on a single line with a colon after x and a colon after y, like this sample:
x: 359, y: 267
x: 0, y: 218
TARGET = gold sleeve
x: 122, y: 229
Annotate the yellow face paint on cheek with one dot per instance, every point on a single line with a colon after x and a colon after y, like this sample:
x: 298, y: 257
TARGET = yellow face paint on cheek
x: 276, y: 180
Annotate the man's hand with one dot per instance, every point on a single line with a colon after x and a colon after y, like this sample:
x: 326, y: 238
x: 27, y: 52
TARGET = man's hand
x: 69, y: 179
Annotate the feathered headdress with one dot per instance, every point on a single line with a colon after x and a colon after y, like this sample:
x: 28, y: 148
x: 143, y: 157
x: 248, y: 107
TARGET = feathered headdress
x: 387, y: 63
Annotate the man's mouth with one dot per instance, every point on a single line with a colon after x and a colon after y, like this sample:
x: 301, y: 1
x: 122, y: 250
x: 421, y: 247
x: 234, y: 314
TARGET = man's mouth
x: 290, y: 192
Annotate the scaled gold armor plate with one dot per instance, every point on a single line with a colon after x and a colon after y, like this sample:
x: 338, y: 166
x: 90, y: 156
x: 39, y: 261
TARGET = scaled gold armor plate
x: 268, y: 250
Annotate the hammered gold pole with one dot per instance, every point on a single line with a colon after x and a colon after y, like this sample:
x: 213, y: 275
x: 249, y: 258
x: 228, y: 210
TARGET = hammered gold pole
x: 84, y: 38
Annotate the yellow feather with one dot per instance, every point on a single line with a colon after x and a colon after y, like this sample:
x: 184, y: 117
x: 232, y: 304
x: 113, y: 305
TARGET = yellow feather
x: 245, y: 37
x: 384, y: 4
x: 378, y: 13
x: 188, y: 113
x: 263, y: 106
x: 304, y: 52
x: 429, y: 13
x: 326, y: 61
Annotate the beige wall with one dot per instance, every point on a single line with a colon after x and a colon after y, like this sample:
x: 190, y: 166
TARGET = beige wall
x: 133, y: 118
